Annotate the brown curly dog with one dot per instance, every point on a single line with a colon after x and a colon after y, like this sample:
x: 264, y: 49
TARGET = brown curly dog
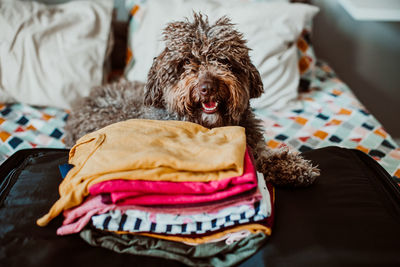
x: 204, y: 75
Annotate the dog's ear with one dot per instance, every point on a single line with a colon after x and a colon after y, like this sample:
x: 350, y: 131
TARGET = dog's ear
x: 153, y: 95
x: 256, y: 85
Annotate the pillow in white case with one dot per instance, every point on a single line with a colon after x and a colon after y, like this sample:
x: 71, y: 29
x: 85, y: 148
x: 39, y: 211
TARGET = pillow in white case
x: 52, y: 54
x: 271, y: 30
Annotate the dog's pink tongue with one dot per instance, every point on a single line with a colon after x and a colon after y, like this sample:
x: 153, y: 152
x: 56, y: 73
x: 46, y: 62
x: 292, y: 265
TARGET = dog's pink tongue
x: 210, y: 105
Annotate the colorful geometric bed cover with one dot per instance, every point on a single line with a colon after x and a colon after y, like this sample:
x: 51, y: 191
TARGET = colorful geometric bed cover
x: 329, y: 115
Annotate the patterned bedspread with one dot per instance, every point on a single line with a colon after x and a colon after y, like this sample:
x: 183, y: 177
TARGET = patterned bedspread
x: 329, y: 114
x: 23, y: 126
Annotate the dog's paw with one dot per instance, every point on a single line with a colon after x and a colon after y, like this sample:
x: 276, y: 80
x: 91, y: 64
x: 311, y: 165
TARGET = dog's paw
x: 284, y: 168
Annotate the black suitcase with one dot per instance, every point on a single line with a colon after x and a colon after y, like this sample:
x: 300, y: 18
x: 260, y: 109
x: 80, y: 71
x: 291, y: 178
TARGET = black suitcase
x: 350, y: 217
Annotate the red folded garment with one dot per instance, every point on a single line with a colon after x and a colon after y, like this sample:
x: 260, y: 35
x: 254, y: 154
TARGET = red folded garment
x: 139, y: 192
x: 78, y: 217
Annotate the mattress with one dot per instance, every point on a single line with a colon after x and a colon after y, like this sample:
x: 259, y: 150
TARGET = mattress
x: 326, y: 114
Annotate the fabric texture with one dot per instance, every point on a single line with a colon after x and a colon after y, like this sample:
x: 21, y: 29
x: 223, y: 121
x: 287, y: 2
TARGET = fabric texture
x: 331, y: 115
x: 306, y: 54
x: 77, y: 218
x: 23, y: 126
x: 152, y: 150
x: 211, y: 237
x: 132, y: 192
x: 229, y: 238
x: 271, y: 30
x: 52, y: 54
x: 141, y: 221
x: 217, y: 254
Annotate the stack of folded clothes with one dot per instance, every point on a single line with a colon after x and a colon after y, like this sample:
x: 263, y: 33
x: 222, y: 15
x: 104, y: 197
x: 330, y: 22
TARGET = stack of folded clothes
x: 168, y: 189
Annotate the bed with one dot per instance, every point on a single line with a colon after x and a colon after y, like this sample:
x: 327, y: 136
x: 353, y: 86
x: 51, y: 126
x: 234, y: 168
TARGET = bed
x: 322, y: 112
x: 326, y: 113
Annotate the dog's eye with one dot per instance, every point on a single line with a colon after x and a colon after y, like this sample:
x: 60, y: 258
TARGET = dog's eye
x: 226, y: 63
x: 229, y: 66
x: 182, y: 64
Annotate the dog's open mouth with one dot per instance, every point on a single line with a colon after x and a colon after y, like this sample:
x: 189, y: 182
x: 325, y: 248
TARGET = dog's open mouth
x: 209, y: 107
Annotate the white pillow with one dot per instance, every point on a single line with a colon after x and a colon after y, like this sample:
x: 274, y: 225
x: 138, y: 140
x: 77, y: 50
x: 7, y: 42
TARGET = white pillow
x: 52, y: 54
x: 271, y: 30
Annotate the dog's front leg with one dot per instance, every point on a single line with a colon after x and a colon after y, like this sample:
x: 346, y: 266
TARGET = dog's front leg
x: 284, y: 168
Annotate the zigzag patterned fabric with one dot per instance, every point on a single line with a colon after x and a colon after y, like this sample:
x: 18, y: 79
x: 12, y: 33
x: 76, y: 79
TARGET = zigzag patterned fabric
x: 329, y: 115
x: 115, y: 221
x: 23, y: 126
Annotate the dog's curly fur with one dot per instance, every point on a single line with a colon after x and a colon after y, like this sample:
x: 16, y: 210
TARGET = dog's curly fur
x: 204, y: 75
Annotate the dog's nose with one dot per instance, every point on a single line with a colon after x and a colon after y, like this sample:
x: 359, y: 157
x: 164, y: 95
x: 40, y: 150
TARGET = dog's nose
x: 205, y: 88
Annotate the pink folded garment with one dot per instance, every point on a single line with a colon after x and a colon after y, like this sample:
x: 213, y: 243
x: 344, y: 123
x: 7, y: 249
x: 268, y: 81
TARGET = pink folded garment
x: 77, y: 218
x: 139, y: 192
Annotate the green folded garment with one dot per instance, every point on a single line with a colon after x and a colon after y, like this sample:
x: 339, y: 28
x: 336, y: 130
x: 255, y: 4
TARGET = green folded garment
x: 208, y: 254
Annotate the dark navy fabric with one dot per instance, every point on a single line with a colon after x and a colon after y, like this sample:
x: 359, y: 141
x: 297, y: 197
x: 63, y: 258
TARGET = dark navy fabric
x: 64, y: 169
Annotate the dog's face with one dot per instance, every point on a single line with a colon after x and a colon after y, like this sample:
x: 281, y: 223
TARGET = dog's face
x: 204, y: 74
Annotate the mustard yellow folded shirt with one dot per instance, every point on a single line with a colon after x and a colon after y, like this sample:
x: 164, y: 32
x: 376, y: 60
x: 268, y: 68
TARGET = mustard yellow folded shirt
x: 150, y: 150
x: 252, y: 228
